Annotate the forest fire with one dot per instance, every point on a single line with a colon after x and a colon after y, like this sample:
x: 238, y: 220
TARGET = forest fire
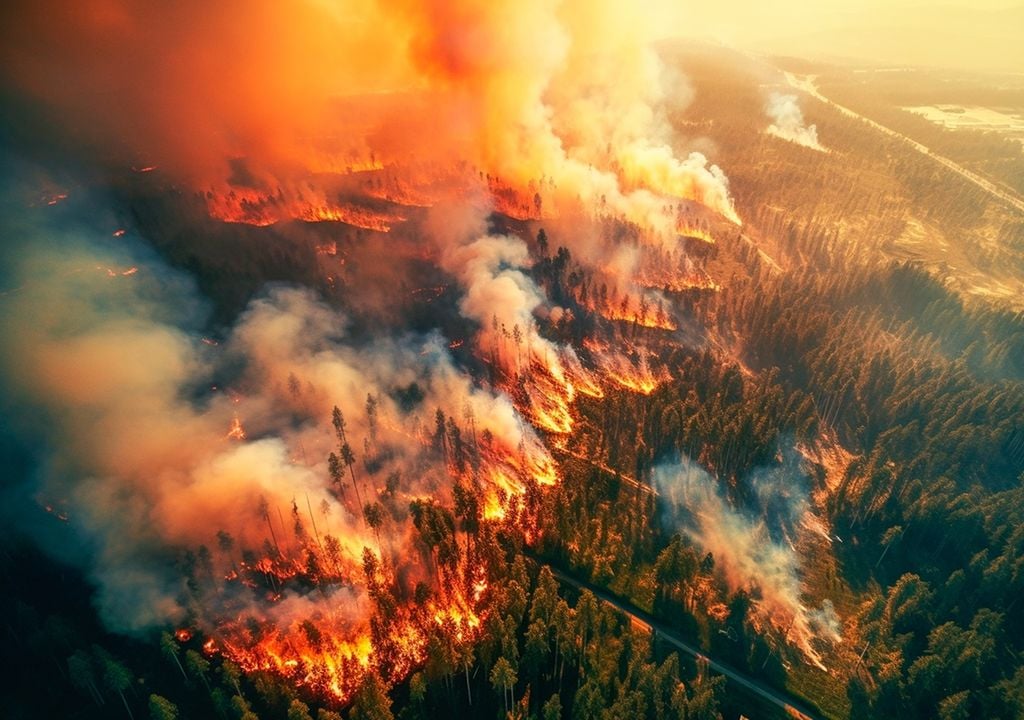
x: 582, y: 380
x: 550, y: 413
x: 644, y: 385
x: 548, y: 398
x: 512, y: 201
x: 508, y: 479
x: 313, y: 658
x: 494, y: 508
x: 380, y: 515
x: 635, y: 377
x: 300, y: 594
x: 262, y: 209
x: 696, y: 233
x: 329, y: 648
x: 237, y: 432
x: 676, y: 283
x: 395, y: 359
x: 638, y: 313
x: 421, y: 185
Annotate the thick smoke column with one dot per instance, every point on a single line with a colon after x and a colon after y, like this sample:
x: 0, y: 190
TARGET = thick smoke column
x: 788, y: 122
x: 559, y: 101
x: 499, y: 295
x: 754, y: 550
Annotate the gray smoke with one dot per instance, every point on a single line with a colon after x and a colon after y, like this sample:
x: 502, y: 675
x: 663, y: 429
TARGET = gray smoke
x: 104, y: 372
x: 754, y: 549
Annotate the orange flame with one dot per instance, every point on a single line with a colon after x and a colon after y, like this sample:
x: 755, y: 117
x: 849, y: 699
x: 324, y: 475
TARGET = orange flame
x: 250, y: 207
x: 633, y: 314
x: 237, y: 432
x: 696, y: 233
x: 633, y: 376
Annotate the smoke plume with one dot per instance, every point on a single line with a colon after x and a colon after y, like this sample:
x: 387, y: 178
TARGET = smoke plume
x: 788, y: 122
x: 753, y: 549
x: 558, y: 101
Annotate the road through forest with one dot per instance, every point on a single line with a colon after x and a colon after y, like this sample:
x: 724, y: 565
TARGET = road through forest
x: 806, y: 84
x: 784, y: 701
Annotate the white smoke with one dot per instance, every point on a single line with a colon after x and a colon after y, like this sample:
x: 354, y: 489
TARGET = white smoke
x: 788, y: 122
x: 753, y: 551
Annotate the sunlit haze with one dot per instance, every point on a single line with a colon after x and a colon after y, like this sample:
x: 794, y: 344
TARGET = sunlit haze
x: 984, y: 35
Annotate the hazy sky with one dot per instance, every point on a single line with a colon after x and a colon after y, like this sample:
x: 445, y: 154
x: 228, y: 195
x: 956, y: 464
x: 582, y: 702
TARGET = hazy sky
x: 985, y: 34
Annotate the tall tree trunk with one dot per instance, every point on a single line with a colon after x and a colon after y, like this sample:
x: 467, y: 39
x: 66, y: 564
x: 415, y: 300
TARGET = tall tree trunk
x: 125, y: 701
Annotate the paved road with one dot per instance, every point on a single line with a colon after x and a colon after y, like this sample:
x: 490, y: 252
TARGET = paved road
x: 785, y: 702
x: 806, y: 83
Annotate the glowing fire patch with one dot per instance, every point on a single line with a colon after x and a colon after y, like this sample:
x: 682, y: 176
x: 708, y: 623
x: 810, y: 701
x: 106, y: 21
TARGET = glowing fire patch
x: 250, y: 207
x: 236, y: 432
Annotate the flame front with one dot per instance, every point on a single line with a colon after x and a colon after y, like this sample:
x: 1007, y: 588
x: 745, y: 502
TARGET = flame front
x: 343, y: 552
